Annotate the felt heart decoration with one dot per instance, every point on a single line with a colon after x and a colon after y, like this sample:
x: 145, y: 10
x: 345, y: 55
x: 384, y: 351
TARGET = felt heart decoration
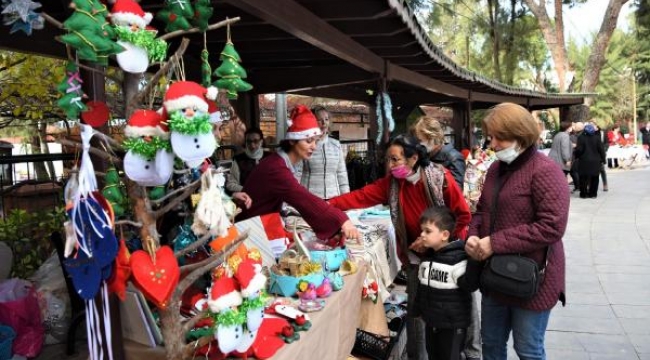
x: 158, y: 280
x: 85, y: 274
x: 97, y: 114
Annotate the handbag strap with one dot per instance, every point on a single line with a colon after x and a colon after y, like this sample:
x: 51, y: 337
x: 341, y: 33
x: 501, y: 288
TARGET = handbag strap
x: 493, y: 215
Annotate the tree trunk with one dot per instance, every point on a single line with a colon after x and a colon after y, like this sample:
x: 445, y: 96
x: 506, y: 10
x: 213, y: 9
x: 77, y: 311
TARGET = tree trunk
x: 493, y: 8
x: 554, y: 38
x: 45, y: 149
x: 510, y: 54
x: 599, y: 49
x: 40, y: 173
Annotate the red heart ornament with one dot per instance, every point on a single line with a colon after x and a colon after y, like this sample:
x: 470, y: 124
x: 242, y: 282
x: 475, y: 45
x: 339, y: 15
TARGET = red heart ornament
x: 156, y: 281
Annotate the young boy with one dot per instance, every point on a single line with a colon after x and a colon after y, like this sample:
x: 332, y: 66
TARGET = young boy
x: 447, y: 279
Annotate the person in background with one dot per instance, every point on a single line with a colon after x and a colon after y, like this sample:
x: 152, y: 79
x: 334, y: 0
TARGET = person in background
x: 272, y: 182
x: 412, y: 185
x: 523, y: 209
x: 243, y: 164
x: 615, y: 138
x: 430, y: 133
x: 447, y: 279
x: 602, y: 135
x: 577, y: 130
x: 561, y: 149
x: 645, y: 139
x: 324, y: 174
x: 591, y: 154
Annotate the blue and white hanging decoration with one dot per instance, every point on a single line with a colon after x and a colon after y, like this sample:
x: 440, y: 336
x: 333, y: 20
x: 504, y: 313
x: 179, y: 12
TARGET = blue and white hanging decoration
x: 384, y: 103
x: 21, y: 16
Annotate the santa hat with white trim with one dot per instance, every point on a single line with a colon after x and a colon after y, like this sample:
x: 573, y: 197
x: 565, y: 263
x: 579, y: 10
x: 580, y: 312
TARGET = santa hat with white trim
x: 302, y: 124
x: 224, y: 294
x: 130, y: 12
x: 146, y: 123
x: 185, y: 94
x: 250, y: 277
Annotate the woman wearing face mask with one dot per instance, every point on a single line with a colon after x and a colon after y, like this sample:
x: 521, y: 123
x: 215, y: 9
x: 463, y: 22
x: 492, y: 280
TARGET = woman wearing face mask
x: 272, y: 182
x: 243, y: 164
x: 523, y: 210
x: 413, y: 185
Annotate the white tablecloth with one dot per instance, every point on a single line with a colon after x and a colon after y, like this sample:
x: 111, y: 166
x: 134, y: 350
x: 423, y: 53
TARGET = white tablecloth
x: 627, y: 152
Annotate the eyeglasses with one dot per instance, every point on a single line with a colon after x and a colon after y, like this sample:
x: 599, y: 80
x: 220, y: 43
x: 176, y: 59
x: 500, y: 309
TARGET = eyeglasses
x: 253, y: 141
x: 394, y: 160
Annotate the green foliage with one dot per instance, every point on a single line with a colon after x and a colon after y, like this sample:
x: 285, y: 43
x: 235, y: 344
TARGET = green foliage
x: 28, y: 235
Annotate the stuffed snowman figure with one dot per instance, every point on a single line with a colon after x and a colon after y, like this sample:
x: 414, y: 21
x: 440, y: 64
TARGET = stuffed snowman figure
x: 223, y: 301
x: 149, y: 160
x: 252, y: 282
x: 139, y: 42
x: 186, y: 106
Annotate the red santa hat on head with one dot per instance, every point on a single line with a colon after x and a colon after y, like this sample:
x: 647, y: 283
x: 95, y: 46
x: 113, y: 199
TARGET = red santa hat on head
x: 302, y: 124
x: 224, y: 294
x: 130, y: 12
x: 146, y: 123
x: 250, y: 277
x: 185, y: 94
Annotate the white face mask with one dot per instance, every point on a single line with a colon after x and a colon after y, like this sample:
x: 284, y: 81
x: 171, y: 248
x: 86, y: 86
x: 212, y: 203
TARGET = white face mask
x: 508, y: 154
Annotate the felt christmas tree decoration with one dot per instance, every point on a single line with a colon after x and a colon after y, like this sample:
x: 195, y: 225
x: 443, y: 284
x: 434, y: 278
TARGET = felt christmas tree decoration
x: 141, y: 45
x: 176, y: 14
x: 114, y: 192
x: 202, y: 13
x: 155, y: 273
x: 149, y: 160
x: 21, y: 16
x: 230, y: 72
x: 72, y: 94
x: 89, y: 33
x: 186, y: 104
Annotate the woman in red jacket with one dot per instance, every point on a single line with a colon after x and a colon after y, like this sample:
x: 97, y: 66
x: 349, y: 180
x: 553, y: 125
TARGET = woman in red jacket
x: 523, y: 210
x: 413, y: 185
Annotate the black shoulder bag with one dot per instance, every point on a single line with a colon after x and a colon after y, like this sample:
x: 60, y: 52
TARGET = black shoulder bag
x: 511, y: 274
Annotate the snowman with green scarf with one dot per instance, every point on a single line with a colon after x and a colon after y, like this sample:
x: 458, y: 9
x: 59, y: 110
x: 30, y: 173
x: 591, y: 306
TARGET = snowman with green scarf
x: 188, y: 118
x: 139, y: 42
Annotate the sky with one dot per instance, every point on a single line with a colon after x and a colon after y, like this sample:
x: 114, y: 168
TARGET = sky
x: 583, y: 20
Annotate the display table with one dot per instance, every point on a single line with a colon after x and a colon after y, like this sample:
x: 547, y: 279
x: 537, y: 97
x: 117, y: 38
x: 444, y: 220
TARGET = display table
x: 630, y: 152
x: 331, y: 336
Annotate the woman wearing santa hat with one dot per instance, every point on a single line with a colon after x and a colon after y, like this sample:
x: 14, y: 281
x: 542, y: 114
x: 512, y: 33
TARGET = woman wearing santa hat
x: 272, y: 182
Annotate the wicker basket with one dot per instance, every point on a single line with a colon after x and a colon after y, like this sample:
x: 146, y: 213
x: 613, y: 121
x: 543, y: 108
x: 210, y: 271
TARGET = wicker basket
x: 7, y: 336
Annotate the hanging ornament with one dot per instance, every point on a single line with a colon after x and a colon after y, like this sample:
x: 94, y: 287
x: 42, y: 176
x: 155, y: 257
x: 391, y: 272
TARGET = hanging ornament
x: 149, y: 160
x: 114, y: 192
x: 21, y: 16
x: 89, y: 33
x: 384, y: 109
x: 72, y: 94
x: 230, y: 72
x: 202, y: 13
x: 210, y: 215
x: 176, y: 14
x: 140, y: 42
x: 155, y: 273
x: 186, y: 104
x: 206, y: 70
x: 97, y: 114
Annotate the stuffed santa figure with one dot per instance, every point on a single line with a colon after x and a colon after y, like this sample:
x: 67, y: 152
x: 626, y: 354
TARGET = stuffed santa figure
x: 224, y: 300
x: 141, y: 46
x: 149, y: 160
x: 252, y: 283
x: 186, y: 106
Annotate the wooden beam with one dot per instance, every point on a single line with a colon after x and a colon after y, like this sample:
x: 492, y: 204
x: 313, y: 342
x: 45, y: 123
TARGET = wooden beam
x: 298, y: 79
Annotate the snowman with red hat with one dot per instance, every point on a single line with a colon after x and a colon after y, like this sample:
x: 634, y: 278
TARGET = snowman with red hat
x: 149, y: 160
x: 186, y: 106
x: 139, y: 42
x: 252, y: 283
x: 223, y: 301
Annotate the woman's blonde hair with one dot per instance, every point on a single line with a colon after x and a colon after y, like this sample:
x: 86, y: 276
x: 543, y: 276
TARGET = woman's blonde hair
x: 429, y: 129
x: 508, y: 121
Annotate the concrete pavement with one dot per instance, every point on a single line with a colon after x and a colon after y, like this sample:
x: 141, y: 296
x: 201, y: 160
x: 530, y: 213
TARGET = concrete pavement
x: 607, y: 247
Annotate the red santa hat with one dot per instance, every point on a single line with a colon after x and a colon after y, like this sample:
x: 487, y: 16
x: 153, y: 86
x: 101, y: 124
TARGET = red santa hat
x: 224, y: 294
x: 302, y: 124
x: 129, y: 12
x: 146, y: 123
x: 185, y: 94
x: 250, y: 277
x: 215, y: 113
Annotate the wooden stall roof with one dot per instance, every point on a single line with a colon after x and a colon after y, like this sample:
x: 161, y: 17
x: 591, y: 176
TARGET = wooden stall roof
x: 329, y: 48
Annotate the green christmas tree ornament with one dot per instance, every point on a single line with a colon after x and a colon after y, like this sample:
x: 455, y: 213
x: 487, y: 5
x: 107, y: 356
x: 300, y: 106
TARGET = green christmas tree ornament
x: 115, y: 192
x: 230, y: 72
x: 231, y: 68
x: 202, y: 13
x: 176, y: 14
x: 229, y: 50
x: 72, y: 94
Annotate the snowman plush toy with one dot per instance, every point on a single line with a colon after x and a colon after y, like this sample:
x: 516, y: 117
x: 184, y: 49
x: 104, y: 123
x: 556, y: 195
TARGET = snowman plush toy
x: 149, y: 160
x: 139, y: 41
x: 186, y: 108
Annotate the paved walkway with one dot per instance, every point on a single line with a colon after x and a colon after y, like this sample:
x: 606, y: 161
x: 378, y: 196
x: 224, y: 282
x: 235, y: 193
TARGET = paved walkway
x: 607, y: 247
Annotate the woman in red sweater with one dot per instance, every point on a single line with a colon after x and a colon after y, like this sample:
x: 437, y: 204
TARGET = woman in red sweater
x: 413, y: 185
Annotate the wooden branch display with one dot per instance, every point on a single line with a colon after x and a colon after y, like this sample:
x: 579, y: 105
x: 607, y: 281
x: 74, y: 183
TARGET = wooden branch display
x: 214, y: 26
x: 174, y: 193
x: 95, y: 151
x: 189, y: 190
x: 195, y: 245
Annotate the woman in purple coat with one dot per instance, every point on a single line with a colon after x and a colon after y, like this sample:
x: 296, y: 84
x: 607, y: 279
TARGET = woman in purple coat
x: 523, y: 210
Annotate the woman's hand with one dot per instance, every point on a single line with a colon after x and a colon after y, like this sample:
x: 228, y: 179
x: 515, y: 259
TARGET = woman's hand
x: 242, y: 199
x: 418, y: 245
x: 472, y: 247
x: 350, y: 231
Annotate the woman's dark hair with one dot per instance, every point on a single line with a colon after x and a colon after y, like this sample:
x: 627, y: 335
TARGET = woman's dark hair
x: 315, y: 109
x: 286, y: 145
x: 411, y: 146
x: 565, y: 125
x: 254, y: 130
x: 440, y: 216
